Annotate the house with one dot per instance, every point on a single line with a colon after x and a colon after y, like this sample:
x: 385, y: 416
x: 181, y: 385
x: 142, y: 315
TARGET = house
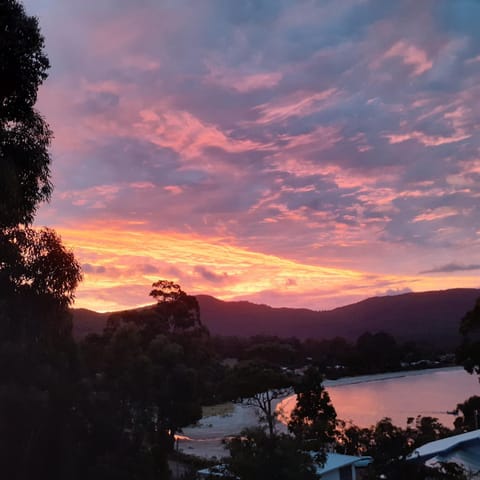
x: 463, y: 450
x: 337, y: 467
x: 342, y: 467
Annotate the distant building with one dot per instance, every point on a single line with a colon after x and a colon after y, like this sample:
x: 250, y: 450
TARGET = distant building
x: 463, y: 450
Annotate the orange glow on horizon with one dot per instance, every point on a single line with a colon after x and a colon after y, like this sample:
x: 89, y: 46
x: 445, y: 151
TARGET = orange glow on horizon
x: 120, y: 264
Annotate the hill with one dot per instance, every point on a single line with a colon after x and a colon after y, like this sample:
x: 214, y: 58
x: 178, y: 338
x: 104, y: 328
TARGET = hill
x: 427, y: 316
x: 87, y: 321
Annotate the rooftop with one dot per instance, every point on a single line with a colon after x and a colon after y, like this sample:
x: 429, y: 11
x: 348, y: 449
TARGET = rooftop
x: 443, y: 446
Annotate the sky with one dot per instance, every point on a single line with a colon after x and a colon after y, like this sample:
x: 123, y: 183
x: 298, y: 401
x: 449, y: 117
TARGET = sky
x: 288, y: 152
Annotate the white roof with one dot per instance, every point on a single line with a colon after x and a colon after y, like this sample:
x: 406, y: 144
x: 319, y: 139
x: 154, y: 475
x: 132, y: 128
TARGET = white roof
x: 336, y: 460
x: 439, y: 446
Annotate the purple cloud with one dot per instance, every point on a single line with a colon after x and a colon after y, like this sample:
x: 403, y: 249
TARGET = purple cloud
x: 452, y: 267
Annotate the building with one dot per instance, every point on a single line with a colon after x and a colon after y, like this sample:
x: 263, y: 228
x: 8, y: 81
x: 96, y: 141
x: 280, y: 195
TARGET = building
x: 463, y: 450
x: 343, y: 467
x: 337, y: 467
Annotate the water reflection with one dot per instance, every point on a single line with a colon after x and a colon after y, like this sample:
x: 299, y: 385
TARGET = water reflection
x: 432, y: 393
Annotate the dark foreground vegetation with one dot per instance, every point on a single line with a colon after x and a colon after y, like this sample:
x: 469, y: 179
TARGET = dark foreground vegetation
x: 108, y: 407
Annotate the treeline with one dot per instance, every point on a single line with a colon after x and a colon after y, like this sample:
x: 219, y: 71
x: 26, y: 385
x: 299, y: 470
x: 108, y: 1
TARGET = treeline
x: 147, y: 376
x: 371, y: 353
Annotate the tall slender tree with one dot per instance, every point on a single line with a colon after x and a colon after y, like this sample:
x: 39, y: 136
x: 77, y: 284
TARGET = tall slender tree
x: 24, y: 134
x: 38, y: 275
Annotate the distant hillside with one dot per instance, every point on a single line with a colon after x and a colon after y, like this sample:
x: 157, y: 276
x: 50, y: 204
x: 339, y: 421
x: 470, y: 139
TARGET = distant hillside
x: 87, y: 321
x: 432, y: 316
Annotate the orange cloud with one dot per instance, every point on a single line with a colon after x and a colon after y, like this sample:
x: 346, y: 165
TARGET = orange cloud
x: 123, y: 263
x: 176, y: 256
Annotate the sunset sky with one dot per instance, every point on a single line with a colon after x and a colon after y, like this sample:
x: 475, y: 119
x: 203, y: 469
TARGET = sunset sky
x: 294, y: 153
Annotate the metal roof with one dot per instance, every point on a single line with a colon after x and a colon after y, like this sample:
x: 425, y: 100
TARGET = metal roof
x: 466, y: 454
x: 336, y: 460
x: 443, y: 446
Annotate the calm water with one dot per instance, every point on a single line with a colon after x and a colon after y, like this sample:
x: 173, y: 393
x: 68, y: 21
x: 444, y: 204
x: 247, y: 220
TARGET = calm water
x: 432, y: 393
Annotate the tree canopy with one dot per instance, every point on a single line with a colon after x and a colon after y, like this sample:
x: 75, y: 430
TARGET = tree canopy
x: 38, y: 278
x: 38, y: 275
x: 258, y: 385
x: 468, y: 353
x: 313, y: 420
x: 256, y: 455
x: 24, y: 135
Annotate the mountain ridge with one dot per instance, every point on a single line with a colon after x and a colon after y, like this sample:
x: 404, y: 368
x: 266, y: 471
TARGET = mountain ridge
x: 418, y: 316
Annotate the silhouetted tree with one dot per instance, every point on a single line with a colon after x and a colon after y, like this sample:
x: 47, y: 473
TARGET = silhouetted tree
x: 259, y: 385
x: 38, y: 278
x: 313, y: 420
x: 256, y: 455
x: 469, y: 411
x: 390, y: 445
x: 179, y: 310
x: 377, y: 352
x: 24, y: 135
x: 149, y: 366
x: 38, y: 275
x: 468, y: 354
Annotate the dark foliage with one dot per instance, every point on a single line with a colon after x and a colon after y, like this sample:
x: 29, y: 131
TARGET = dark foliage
x: 389, y: 445
x: 469, y: 411
x: 313, y: 420
x: 468, y: 354
x: 256, y: 455
x: 24, y: 135
x: 148, y: 374
x: 38, y: 277
x: 258, y: 385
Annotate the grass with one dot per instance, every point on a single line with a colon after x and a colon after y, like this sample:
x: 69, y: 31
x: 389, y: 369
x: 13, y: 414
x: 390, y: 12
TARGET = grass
x: 221, y: 409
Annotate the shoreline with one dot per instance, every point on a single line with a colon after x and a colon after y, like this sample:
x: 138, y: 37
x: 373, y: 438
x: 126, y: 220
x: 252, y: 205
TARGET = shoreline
x: 379, y: 377
x: 205, y: 439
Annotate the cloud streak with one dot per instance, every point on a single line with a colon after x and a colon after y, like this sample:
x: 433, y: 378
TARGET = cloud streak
x: 452, y: 267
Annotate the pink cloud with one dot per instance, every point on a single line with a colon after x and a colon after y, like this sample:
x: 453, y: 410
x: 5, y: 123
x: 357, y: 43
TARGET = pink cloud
x: 410, y: 54
x: 241, y: 81
x: 436, y: 214
x: 476, y: 59
x: 173, y: 189
x: 298, y: 104
x: 187, y: 134
x: 142, y: 185
x: 93, y: 197
x: 427, y: 140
